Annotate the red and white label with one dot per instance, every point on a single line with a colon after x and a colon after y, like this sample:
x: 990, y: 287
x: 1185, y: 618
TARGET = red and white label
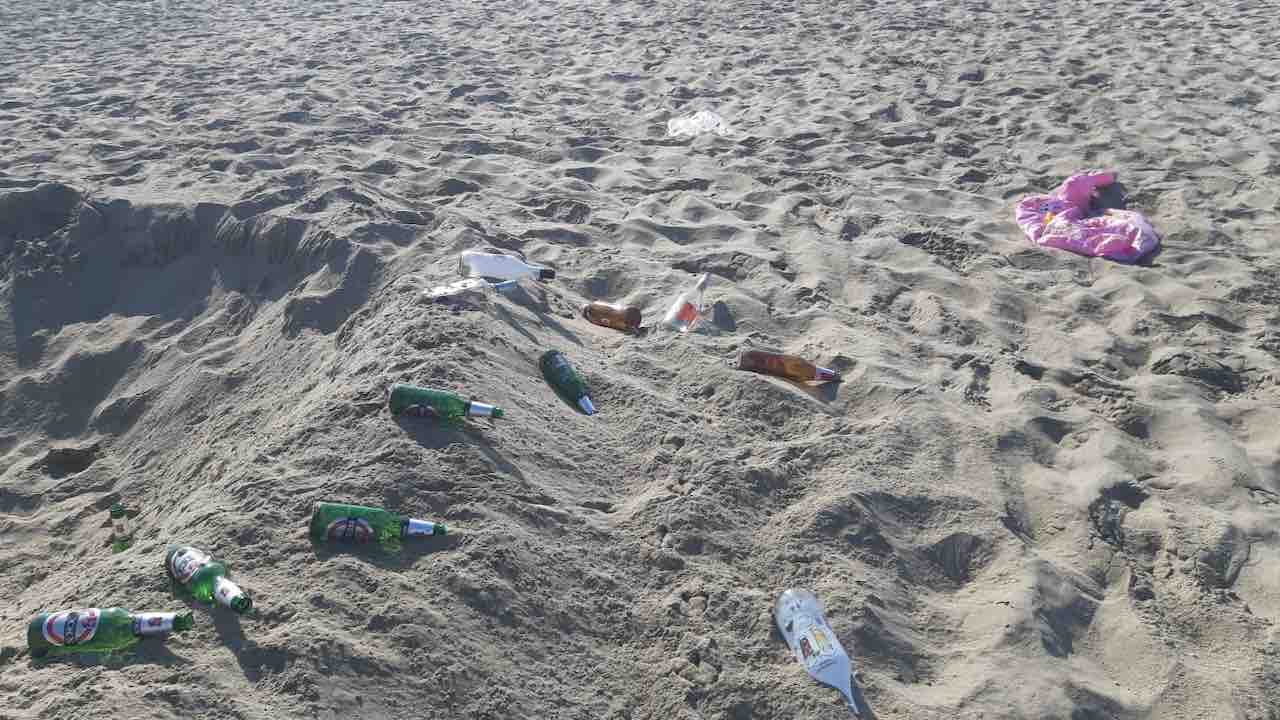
x: 71, y: 627
x: 186, y: 562
x: 153, y: 623
x: 350, y: 529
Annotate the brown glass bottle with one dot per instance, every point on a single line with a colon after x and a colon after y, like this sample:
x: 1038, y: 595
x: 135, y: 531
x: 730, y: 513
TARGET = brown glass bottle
x: 787, y: 366
x: 612, y: 315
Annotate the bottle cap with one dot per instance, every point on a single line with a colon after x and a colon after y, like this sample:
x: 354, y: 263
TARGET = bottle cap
x: 184, y: 622
x: 546, y: 274
x: 584, y: 402
x: 497, y: 413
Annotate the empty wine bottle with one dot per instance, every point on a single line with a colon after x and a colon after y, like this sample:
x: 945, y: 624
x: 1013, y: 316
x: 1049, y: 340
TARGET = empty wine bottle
x: 813, y: 642
x: 787, y: 366
x: 98, y: 630
x: 337, y: 522
x: 566, y: 381
x: 204, y: 578
x: 442, y: 404
x: 612, y: 315
x: 688, y: 307
x: 121, y: 532
x: 502, y: 267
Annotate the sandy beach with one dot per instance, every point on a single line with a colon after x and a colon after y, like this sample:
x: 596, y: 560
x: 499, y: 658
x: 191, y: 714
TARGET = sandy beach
x: 1047, y: 487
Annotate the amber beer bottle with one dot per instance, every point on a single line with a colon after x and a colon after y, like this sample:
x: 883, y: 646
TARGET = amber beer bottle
x: 613, y: 315
x: 787, y: 366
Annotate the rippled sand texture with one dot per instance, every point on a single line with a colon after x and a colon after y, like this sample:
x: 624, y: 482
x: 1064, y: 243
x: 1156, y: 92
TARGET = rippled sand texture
x: 1048, y: 488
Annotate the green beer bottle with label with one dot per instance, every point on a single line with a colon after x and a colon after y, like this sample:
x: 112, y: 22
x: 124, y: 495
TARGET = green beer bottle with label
x: 204, y: 578
x: 340, y: 523
x: 98, y: 630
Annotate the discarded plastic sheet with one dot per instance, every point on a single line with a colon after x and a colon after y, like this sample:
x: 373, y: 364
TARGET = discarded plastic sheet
x: 703, y: 121
x: 1065, y: 219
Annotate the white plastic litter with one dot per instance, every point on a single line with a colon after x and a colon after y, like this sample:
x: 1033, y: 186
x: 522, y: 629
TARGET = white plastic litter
x: 703, y: 121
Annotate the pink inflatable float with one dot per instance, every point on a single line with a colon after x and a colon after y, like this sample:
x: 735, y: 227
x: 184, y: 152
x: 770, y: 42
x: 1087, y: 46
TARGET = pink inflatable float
x: 1064, y: 219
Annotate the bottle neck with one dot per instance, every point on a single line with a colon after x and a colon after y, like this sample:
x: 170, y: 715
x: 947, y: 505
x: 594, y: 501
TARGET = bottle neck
x: 824, y: 374
x: 229, y: 595
x: 420, y: 528
x: 153, y: 623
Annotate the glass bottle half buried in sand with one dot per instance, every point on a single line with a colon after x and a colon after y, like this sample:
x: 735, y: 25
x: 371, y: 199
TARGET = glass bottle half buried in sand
x: 613, y: 315
x: 785, y: 366
x: 98, y: 630
x: 690, y: 306
x: 357, y: 524
x: 813, y: 642
x: 472, y: 263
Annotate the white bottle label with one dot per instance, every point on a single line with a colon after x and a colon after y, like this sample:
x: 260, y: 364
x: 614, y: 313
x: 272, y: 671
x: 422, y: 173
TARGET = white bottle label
x: 71, y: 627
x: 350, y: 529
x: 815, y: 643
x: 153, y: 623
x: 225, y: 591
x: 419, y: 527
x: 186, y: 562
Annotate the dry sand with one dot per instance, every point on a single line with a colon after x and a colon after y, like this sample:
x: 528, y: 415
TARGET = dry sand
x: 1049, y: 487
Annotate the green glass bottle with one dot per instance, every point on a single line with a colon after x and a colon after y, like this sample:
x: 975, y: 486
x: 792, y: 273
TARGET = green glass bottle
x: 337, y: 522
x: 566, y: 381
x: 430, y: 402
x: 204, y: 578
x: 98, y: 630
x: 121, y: 533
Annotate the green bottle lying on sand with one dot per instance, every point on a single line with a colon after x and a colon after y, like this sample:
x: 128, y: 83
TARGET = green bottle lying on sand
x: 565, y: 380
x: 430, y: 402
x: 339, y: 523
x: 204, y: 578
x: 98, y: 630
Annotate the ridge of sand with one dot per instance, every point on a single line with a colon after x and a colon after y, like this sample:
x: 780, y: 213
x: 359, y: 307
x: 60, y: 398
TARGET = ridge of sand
x: 1047, y: 489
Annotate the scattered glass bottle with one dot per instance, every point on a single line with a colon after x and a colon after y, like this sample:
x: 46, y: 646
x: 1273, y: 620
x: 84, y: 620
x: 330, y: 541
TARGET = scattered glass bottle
x: 430, y: 402
x: 121, y: 532
x: 204, y: 578
x: 813, y: 642
x: 442, y: 293
x: 338, y: 522
x: 612, y: 315
x: 566, y: 381
x: 689, y: 306
x: 98, y: 630
x: 787, y: 366
x: 473, y: 263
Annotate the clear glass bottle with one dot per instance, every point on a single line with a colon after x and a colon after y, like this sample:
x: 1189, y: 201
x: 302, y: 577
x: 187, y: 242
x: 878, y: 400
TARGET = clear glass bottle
x: 689, y: 306
x: 813, y: 642
x: 473, y: 263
